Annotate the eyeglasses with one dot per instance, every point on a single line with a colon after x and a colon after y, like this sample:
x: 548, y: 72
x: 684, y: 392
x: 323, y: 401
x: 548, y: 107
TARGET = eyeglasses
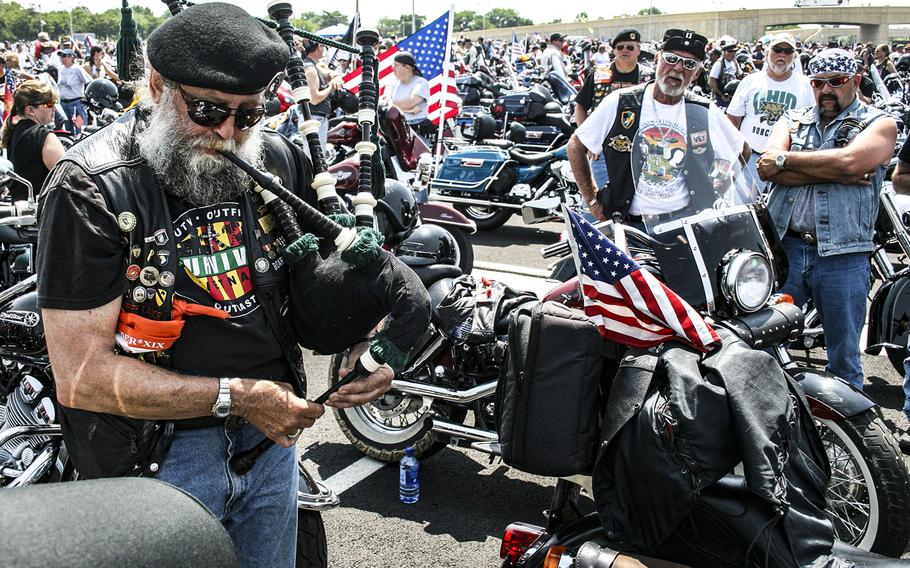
x: 835, y: 82
x: 625, y: 46
x: 48, y: 104
x: 786, y: 50
x: 209, y: 114
x: 672, y: 59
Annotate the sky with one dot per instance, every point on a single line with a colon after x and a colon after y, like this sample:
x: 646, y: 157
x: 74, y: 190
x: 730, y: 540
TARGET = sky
x: 537, y: 10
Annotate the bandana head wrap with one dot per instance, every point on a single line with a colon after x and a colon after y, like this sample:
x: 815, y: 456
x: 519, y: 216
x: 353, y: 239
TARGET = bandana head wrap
x: 832, y: 61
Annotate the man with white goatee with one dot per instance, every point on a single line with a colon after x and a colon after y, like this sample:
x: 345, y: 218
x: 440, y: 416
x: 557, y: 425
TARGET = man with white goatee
x: 763, y: 97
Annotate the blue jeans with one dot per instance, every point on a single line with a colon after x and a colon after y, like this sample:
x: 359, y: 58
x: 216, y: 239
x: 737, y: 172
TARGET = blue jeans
x: 838, y: 286
x: 72, y: 109
x: 599, y: 169
x: 907, y: 387
x: 259, y: 509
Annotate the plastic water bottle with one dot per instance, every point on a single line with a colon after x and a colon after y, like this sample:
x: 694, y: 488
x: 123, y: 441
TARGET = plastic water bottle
x: 408, y: 485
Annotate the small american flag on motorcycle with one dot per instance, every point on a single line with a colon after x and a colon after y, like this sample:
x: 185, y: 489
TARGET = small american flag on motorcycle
x: 629, y: 305
x: 430, y: 46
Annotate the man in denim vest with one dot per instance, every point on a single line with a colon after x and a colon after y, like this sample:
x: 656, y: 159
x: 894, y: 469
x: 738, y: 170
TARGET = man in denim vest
x: 826, y: 166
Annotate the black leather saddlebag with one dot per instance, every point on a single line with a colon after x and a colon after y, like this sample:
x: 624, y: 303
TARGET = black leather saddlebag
x: 549, y: 391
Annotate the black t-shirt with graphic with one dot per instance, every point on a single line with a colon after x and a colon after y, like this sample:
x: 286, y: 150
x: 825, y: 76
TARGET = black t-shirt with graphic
x: 601, y: 82
x: 81, y: 266
x: 904, y: 155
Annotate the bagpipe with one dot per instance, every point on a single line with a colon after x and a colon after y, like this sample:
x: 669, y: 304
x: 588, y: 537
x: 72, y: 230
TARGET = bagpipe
x: 342, y: 283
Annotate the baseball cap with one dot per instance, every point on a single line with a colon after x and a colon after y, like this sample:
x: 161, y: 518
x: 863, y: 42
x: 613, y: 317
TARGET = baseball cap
x: 782, y: 38
x: 556, y: 36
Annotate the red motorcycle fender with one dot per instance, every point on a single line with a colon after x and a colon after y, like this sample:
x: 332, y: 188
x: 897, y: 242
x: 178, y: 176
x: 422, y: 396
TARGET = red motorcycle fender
x: 889, y: 315
x: 440, y: 214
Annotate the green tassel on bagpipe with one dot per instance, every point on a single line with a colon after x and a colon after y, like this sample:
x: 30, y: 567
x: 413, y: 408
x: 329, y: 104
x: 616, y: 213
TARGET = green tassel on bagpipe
x: 343, y: 219
x: 385, y: 350
x: 365, y: 249
x: 297, y: 251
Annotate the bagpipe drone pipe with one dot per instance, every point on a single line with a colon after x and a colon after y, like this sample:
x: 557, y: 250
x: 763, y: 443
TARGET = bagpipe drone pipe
x: 343, y: 284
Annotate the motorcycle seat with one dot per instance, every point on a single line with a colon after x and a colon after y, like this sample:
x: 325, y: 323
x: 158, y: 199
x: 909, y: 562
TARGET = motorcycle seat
x: 433, y: 273
x: 498, y: 143
x: 531, y: 158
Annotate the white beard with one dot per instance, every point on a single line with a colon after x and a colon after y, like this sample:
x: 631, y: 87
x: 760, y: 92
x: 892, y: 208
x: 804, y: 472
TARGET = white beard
x: 779, y: 68
x: 666, y: 89
x: 185, y: 171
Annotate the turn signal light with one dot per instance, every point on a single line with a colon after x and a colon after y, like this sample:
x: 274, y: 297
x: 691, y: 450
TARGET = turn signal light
x: 554, y: 557
x: 781, y: 299
x: 518, y: 539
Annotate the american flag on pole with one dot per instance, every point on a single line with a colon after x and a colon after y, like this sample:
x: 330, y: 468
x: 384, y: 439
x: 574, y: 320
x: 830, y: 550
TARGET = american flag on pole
x: 629, y: 305
x: 518, y: 47
x: 9, y: 87
x: 430, y: 46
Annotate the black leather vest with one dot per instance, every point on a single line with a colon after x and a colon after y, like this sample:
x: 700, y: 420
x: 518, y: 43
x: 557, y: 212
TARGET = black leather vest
x: 134, y: 196
x: 617, y: 151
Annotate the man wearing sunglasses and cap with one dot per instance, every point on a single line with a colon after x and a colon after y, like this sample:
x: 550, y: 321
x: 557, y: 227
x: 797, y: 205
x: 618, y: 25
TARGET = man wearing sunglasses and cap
x: 763, y: 97
x: 677, y: 129
x: 826, y: 166
x: 604, y: 79
x: 162, y: 286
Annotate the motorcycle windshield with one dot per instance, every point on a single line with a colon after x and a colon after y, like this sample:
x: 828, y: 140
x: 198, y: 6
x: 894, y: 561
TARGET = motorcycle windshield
x: 695, y: 196
x: 686, y: 160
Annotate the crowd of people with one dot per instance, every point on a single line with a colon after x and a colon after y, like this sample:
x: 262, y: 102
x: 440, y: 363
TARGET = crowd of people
x: 788, y: 97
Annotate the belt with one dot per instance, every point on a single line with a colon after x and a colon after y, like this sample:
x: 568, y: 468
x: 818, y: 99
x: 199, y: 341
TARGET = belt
x: 70, y: 100
x: 208, y: 422
x: 804, y: 236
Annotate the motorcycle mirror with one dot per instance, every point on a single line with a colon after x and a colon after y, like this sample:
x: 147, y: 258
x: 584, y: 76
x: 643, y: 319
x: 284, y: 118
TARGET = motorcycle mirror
x: 540, y: 210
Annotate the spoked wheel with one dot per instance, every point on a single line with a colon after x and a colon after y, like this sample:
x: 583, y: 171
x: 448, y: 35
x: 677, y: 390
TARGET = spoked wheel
x: 486, y: 218
x: 383, y: 428
x: 869, y: 492
x: 312, y: 550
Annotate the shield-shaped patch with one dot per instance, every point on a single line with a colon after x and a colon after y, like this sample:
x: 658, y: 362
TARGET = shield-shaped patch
x: 628, y: 118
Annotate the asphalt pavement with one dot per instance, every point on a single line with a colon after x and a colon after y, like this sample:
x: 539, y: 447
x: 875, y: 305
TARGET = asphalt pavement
x: 467, y: 499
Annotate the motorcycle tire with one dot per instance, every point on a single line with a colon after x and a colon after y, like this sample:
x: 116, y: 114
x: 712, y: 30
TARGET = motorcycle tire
x: 486, y: 218
x: 465, y: 249
x: 312, y: 549
x: 861, y: 448
x: 384, y: 441
x: 897, y: 355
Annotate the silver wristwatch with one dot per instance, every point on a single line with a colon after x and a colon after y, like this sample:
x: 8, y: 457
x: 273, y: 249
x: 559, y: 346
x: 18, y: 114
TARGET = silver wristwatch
x: 222, y: 406
x: 780, y: 161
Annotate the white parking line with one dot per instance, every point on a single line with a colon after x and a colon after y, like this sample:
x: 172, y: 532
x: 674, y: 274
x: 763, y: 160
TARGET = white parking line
x: 353, y: 474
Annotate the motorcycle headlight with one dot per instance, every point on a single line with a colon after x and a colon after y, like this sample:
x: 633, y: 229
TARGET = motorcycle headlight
x: 747, y: 281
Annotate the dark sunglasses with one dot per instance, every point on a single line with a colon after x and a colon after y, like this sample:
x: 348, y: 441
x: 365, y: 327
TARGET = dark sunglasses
x: 48, y: 104
x: 625, y: 46
x: 209, y: 114
x: 787, y: 50
x: 835, y: 82
x: 672, y: 59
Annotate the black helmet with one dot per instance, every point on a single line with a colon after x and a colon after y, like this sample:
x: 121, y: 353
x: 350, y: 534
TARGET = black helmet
x: 484, y: 126
x: 743, y: 58
x: 903, y: 63
x: 345, y: 100
x: 428, y: 244
x: 102, y: 94
x: 730, y: 87
x: 397, y: 216
x: 517, y: 132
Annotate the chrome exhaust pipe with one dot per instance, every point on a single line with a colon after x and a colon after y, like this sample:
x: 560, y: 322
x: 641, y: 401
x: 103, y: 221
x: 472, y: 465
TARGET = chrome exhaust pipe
x: 30, y: 430
x: 445, y: 393
x: 481, y: 440
x: 472, y: 201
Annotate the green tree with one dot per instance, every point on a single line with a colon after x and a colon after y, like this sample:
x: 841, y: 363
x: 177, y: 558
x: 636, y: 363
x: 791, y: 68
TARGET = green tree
x: 505, y: 18
x: 467, y: 20
x: 645, y: 11
x: 582, y: 17
x: 400, y: 26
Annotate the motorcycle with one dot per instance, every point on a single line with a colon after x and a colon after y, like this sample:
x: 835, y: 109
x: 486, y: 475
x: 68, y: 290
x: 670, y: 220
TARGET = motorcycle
x: 31, y: 441
x: 721, y: 260
x: 490, y: 180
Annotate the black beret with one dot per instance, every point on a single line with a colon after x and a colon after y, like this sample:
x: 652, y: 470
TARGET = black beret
x: 626, y: 35
x: 217, y: 46
x: 685, y: 40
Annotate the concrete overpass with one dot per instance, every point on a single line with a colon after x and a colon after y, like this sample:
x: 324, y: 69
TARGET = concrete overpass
x: 744, y: 25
